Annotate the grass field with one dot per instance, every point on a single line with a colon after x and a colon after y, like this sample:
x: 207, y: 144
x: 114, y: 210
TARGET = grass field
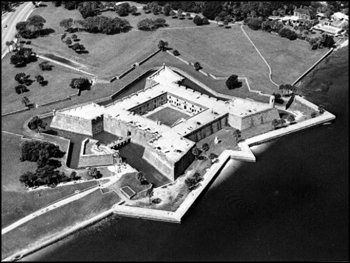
x: 288, y: 59
x: 167, y: 116
x: 55, y: 221
x: 57, y: 88
x: 16, y: 200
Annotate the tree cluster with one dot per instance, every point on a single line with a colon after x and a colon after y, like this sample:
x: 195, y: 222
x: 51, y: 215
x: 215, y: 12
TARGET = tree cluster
x: 37, y: 124
x: 125, y: 9
x: 31, y: 28
x: 288, y: 33
x: 21, y: 89
x: 106, y: 25
x: 200, y: 20
x: 149, y: 24
x: 192, y: 182
x: 39, y: 152
x: 153, y: 7
x: 22, y: 57
x: 162, y: 45
x: 90, y: 9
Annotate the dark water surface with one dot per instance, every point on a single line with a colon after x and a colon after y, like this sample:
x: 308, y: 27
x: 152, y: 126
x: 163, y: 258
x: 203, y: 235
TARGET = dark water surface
x: 292, y: 204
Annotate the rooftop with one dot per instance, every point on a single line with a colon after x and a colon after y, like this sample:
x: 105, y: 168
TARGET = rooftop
x: 170, y: 140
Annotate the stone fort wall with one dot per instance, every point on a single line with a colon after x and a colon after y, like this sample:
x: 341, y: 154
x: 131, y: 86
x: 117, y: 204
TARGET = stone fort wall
x: 88, y: 160
x: 77, y: 124
x: 208, y: 129
x: 124, y: 129
x: 259, y: 118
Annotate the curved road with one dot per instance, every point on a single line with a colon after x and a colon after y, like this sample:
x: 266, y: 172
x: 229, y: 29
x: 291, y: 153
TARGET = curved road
x: 11, y: 19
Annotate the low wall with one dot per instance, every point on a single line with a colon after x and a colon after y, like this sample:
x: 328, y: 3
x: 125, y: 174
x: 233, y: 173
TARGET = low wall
x: 114, y: 95
x: 312, y: 67
x: 126, y: 72
x: 88, y: 160
x: 325, y: 117
x: 14, y: 112
x: 59, y: 236
x: 184, y: 61
x: 148, y: 57
x: 55, y: 101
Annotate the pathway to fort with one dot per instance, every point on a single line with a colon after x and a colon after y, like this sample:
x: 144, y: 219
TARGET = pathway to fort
x: 270, y: 71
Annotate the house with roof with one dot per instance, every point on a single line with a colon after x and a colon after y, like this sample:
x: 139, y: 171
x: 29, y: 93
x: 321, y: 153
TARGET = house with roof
x: 304, y: 13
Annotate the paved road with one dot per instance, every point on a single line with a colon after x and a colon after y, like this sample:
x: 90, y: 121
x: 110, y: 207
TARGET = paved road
x: 11, y: 19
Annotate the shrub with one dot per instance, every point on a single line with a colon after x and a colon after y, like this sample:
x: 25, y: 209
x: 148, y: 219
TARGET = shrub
x: 197, y: 20
x: 176, y: 53
x: 212, y: 156
x: 197, y: 66
x: 232, y: 82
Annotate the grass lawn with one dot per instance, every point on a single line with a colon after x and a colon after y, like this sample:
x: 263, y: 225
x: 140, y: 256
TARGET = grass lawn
x: 57, y: 88
x: 17, y: 202
x: 167, y: 116
x: 56, y: 221
x: 288, y: 59
x: 131, y: 180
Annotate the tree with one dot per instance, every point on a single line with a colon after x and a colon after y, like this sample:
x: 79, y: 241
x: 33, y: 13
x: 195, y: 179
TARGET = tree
x: 73, y: 175
x: 17, y: 59
x: 211, y: 9
x: 162, y: 45
x: 36, y: 124
x: 9, y: 43
x: 172, y: 13
x: 167, y: 9
x: 140, y: 176
x: 291, y: 118
x: 275, y: 123
x: 45, y: 66
x: 217, y: 19
x: 197, y: 66
x: 39, y: 79
x: 37, y: 21
x: 195, y: 152
x: 150, y: 194
x: 321, y: 109
x: 197, y: 20
x: 67, y: 23
x: 146, y: 24
x: 20, y: 89
x: 237, y: 134
x: 232, y: 82
x: 176, y: 52
x: 123, y: 9
x: 78, y: 47
x: 205, y: 147
x: 68, y: 41
x: 63, y: 36
x: 212, y: 156
x: 160, y: 22
x: 205, y: 21
x: 80, y: 83
x: 25, y: 101
x: 20, y: 77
